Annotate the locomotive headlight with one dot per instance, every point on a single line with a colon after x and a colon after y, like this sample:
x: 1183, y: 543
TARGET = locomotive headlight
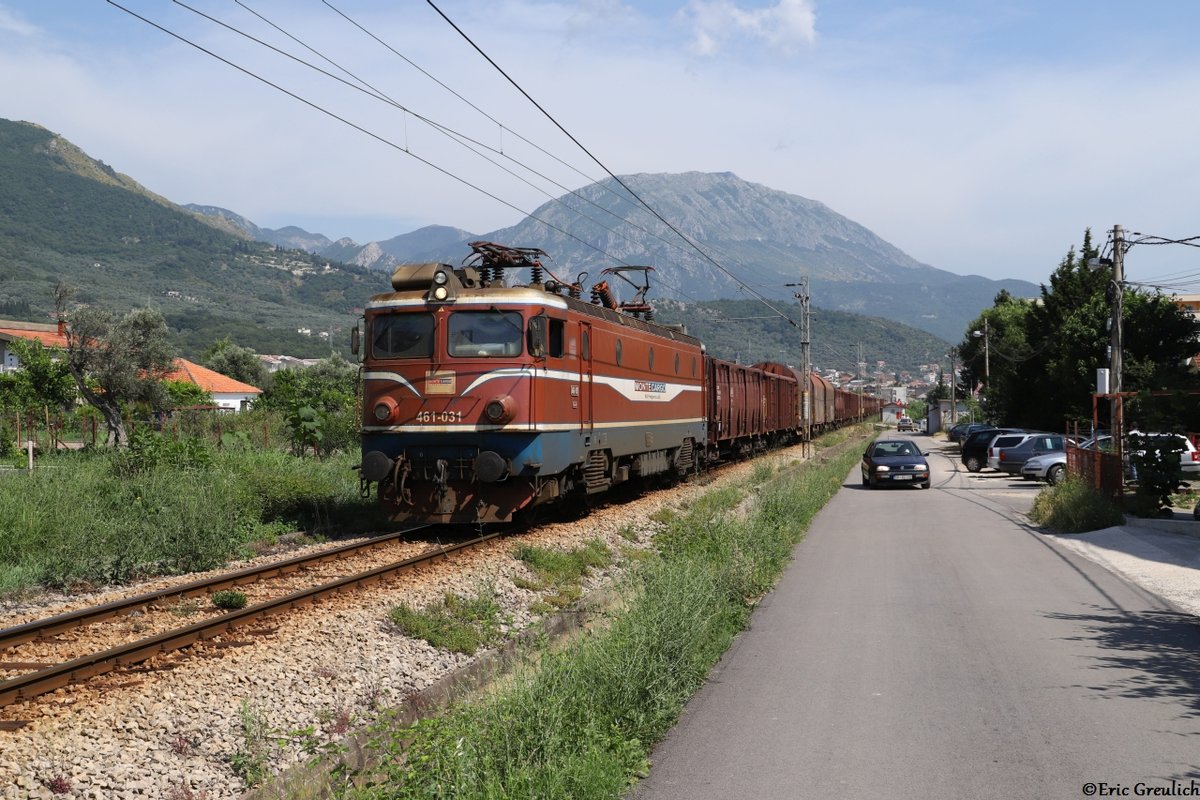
x: 440, y: 278
x: 499, y: 409
x: 385, y: 409
x: 440, y: 293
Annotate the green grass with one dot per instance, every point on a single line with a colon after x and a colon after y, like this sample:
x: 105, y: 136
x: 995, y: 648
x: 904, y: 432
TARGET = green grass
x: 1074, y: 507
x: 91, y: 518
x: 457, y: 624
x: 581, y: 723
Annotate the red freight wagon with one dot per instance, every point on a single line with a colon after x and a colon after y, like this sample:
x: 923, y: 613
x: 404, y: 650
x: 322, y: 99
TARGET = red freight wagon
x: 824, y: 414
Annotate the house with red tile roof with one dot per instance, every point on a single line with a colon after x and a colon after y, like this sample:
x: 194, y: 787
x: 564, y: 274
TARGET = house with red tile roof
x: 226, y: 392
x: 48, y: 335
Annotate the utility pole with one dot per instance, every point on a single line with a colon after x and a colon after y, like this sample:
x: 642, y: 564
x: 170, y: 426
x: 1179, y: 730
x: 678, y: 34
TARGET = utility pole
x: 862, y: 376
x: 1117, y: 343
x: 987, y: 359
x: 805, y: 354
x: 953, y: 400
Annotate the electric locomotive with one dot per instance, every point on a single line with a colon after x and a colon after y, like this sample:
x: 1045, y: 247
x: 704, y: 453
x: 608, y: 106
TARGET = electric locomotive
x: 481, y: 399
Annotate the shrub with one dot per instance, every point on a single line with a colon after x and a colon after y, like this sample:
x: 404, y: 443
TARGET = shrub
x: 229, y: 599
x: 457, y: 624
x: 1074, y: 507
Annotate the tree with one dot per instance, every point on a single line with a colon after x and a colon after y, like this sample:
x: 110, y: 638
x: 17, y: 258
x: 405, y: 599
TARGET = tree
x: 1044, y: 356
x: 330, y: 385
x: 118, y: 361
x: 43, y: 379
x: 239, y: 363
x: 997, y: 364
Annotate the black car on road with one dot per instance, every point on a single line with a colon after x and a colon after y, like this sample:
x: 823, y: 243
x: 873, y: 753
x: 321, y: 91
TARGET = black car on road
x: 894, y: 462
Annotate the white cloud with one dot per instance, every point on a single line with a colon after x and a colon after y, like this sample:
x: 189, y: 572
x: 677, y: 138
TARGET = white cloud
x: 782, y: 26
x: 11, y: 23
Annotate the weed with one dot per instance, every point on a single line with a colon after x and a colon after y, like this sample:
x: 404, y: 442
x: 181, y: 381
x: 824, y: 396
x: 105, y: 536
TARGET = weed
x: 183, y: 746
x: 229, y: 599
x: 556, y: 567
x: 628, y: 533
x: 187, y: 607
x: 457, y: 624
x: 251, y: 761
x: 340, y: 722
x: 526, y: 583
x: 1074, y: 507
x: 764, y: 469
x: 59, y: 784
x: 665, y: 515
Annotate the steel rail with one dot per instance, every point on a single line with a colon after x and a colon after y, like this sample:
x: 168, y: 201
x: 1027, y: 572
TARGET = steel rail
x: 28, y: 686
x: 49, y: 626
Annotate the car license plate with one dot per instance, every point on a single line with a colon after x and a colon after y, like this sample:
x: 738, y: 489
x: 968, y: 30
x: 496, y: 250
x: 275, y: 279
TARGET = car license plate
x: 902, y: 477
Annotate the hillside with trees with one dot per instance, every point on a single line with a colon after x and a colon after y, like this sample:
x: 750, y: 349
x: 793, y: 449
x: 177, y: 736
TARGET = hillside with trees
x: 67, y: 218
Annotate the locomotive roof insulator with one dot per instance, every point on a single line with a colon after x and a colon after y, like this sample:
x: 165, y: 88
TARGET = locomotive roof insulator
x: 640, y: 282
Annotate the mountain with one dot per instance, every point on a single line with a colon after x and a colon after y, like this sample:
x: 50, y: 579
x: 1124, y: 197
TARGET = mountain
x: 759, y: 236
x: 67, y: 217
x: 290, y: 237
x: 764, y: 237
x: 382, y: 256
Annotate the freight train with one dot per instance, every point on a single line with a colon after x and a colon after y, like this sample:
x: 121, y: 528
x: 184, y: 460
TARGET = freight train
x: 483, y: 399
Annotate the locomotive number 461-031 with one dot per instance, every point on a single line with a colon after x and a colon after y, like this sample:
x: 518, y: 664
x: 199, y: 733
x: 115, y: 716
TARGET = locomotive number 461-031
x: 439, y: 416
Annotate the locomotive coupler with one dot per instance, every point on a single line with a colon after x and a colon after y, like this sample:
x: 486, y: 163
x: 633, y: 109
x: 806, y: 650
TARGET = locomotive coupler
x: 400, y: 478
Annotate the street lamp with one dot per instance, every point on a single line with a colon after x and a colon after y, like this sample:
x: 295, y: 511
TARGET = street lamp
x: 987, y: 362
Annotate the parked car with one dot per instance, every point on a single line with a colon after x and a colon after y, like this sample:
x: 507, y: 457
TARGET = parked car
x: 905, y: 424
x: 1049, y: 467
x: 1012, y: 459
x: 955, y: 432
x: 894, y: 461
x: 1003, y: 442
x: 1136, y: 443
x: 962, y: 430
x: 1189, y: 457
x: 974, y: 447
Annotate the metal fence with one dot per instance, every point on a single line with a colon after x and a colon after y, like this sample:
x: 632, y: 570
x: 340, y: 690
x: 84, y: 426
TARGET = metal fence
x: 1101, y: 470
x: 49, y: 431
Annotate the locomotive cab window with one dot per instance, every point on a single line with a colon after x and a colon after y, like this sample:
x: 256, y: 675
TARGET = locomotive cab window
x: 558, y: 329
x: 488, y: 334
x: 402, y: 336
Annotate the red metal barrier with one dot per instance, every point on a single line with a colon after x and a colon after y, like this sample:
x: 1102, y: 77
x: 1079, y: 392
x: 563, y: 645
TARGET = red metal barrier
x: 1100, y: 470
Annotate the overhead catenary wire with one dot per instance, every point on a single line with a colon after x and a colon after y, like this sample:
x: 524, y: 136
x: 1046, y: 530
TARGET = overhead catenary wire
x: 601, y: 164
x: 600, y: 184
x: 456, y: 136
x: 404, y: 148
x: 383, y: 140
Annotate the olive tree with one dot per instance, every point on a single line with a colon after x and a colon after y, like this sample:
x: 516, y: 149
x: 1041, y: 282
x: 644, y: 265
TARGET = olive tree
x: 116, y: 361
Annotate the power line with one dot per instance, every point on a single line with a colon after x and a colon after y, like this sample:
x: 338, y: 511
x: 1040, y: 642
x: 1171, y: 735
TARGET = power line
x: 458, y: 137
x: 611, y: 174
x: 359, y: 128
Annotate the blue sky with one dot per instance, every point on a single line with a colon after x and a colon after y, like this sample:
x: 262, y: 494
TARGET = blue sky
x: 980, y: 138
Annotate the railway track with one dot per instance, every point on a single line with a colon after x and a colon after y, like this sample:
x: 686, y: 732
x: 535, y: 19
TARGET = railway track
x: 47, y: 678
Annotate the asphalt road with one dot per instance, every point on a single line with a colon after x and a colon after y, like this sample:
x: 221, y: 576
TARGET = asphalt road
x: 930, y: 644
